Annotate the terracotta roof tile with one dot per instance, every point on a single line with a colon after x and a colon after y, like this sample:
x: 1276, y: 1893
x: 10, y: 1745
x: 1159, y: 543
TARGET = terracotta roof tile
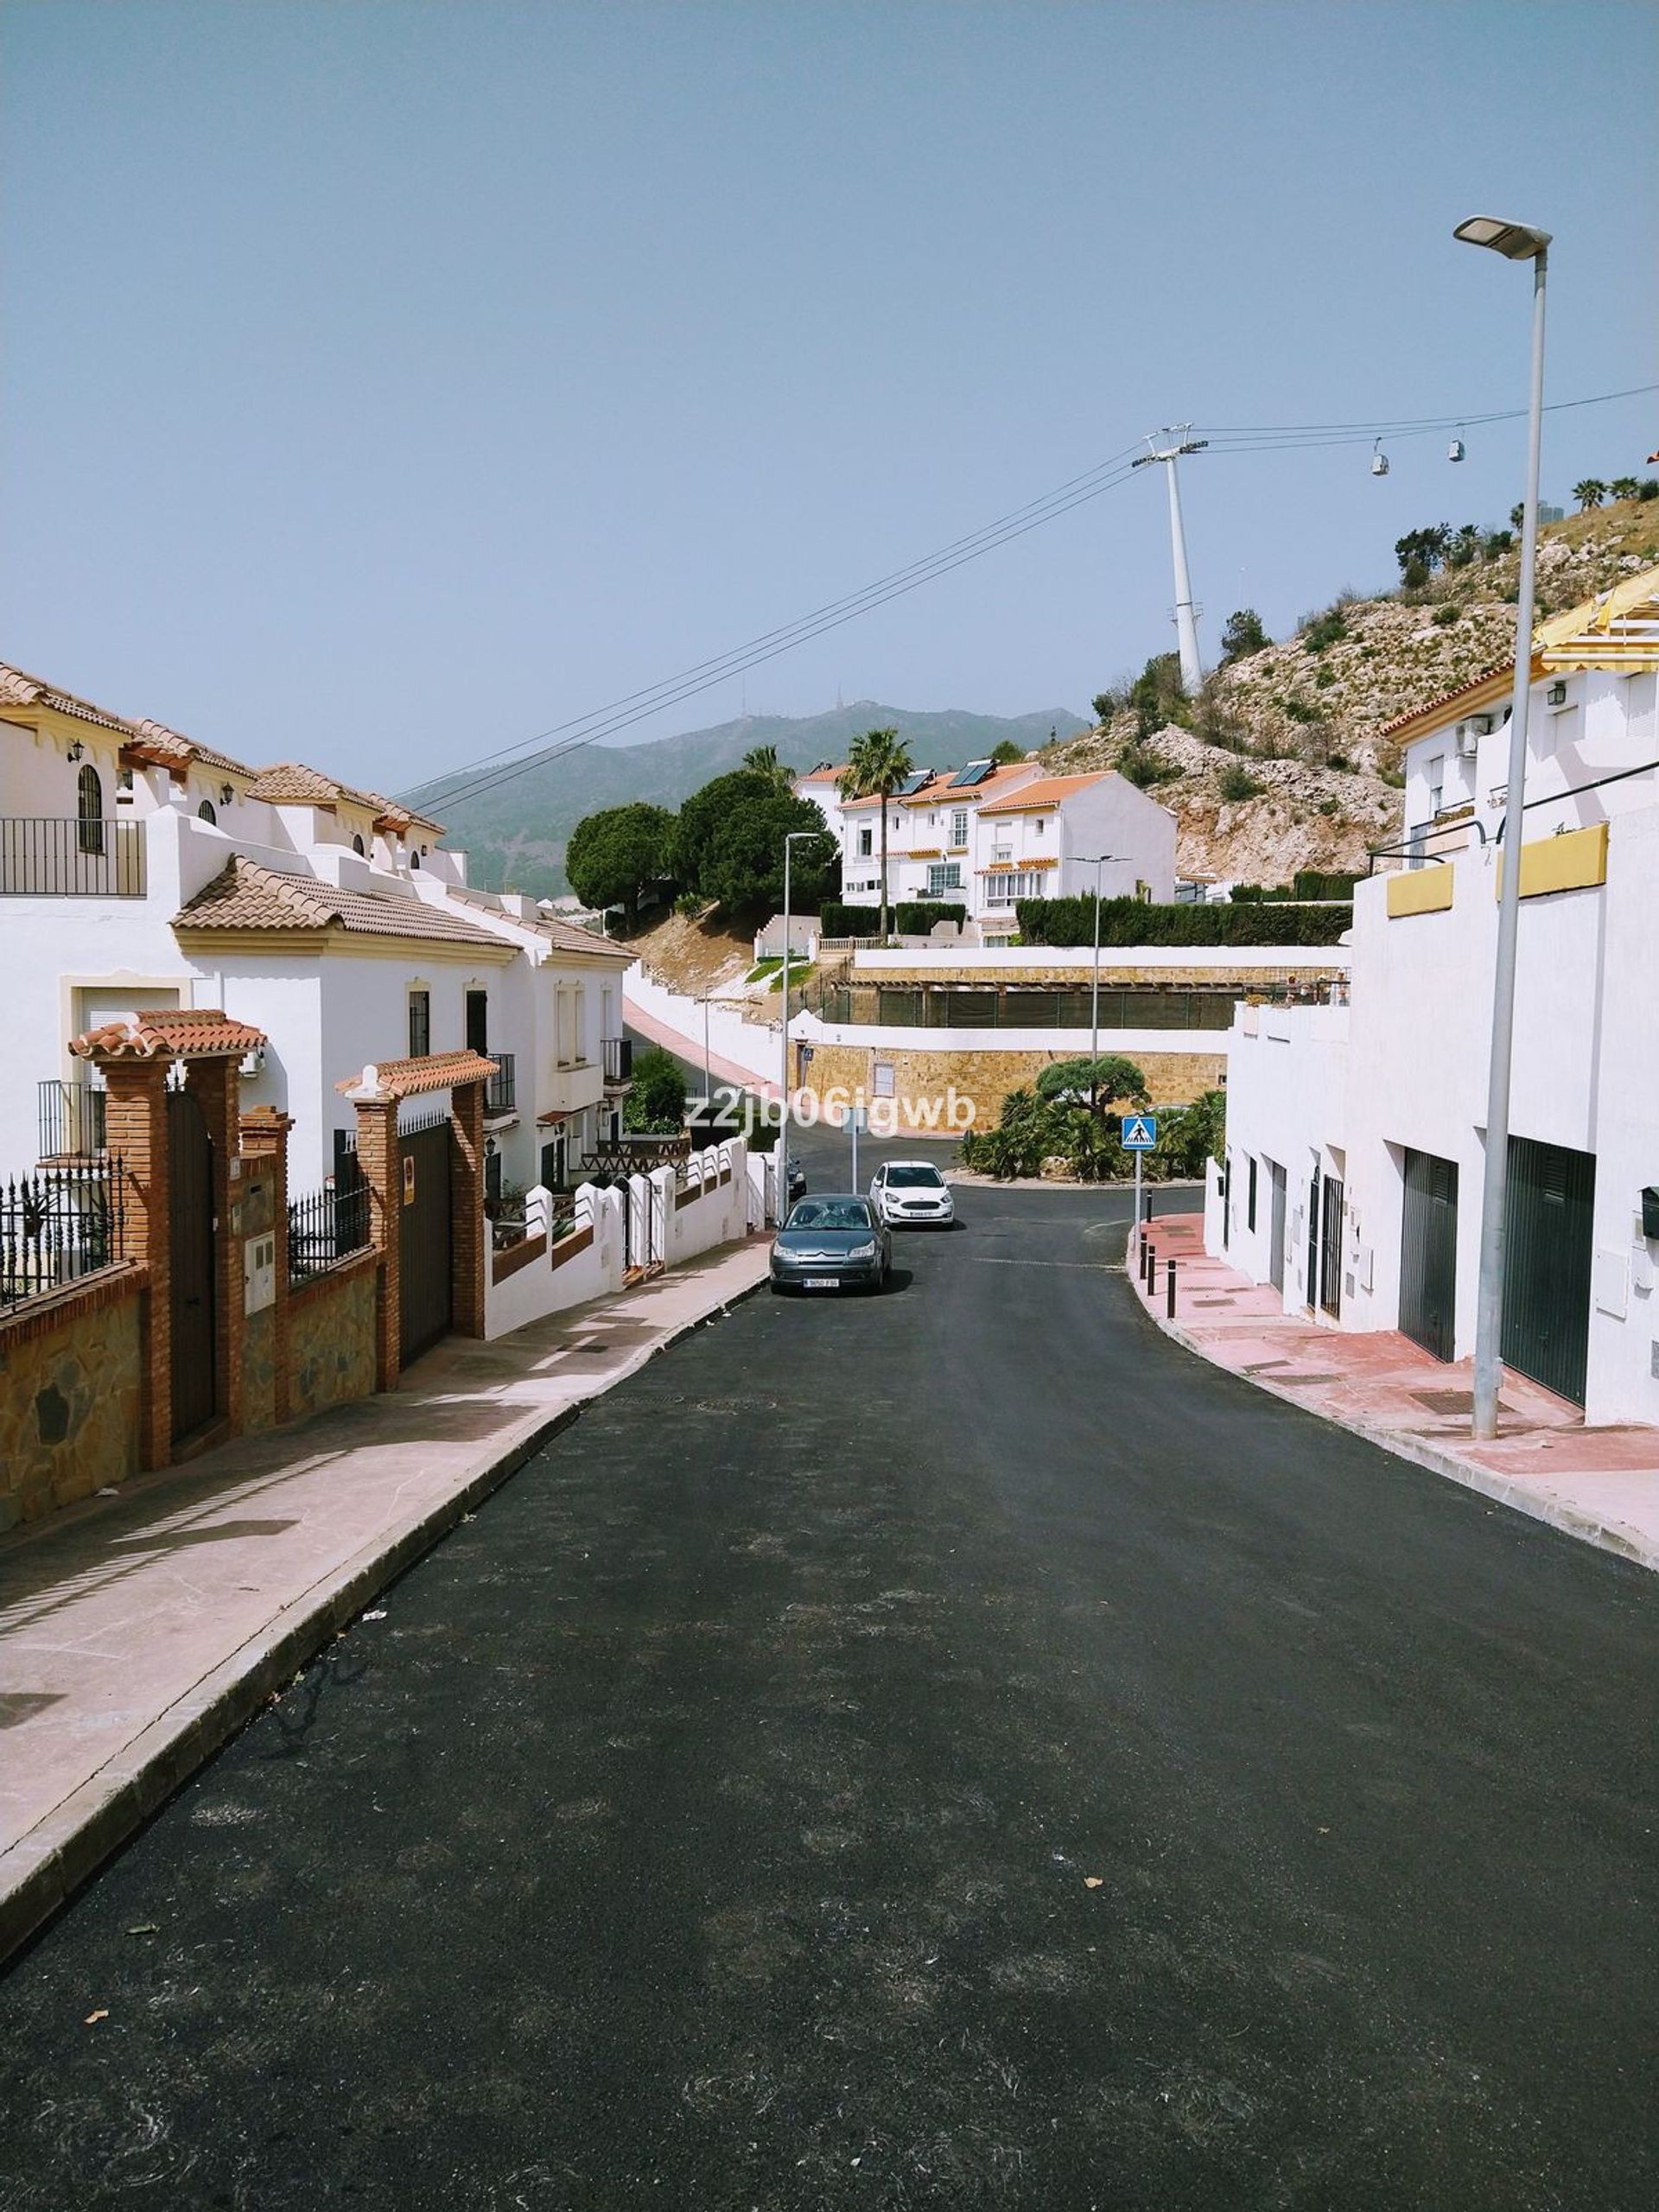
x: 246, y: 896
x: 408, y: 1078
x: 19, y: 689
x: 195, y: 1034
x: 1047, y: 791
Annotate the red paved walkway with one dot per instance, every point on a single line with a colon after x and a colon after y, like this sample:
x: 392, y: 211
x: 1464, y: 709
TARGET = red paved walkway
x: 1601, y: 1483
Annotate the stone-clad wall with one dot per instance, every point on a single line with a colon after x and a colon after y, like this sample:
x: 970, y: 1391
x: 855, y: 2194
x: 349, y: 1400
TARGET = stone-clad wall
x: 331, y: 1339
x: 71, y: 1385
x: 986, y: 1077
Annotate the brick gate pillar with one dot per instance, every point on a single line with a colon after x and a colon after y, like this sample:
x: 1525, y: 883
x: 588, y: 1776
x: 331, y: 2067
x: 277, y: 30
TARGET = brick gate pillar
x: 216, y: 1084
x: 136, y: 1131
x: 467, y: 1240
x: 263, y: 1135
x: 377, y: 1156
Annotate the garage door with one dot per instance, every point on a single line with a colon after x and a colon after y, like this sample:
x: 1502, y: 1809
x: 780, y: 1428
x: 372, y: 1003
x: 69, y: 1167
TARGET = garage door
x: 1546, y: 1256
x: 1428, y: 1253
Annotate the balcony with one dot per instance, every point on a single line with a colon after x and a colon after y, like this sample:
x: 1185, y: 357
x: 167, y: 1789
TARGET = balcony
x: 43, y: 857
x: 501, y: 1091
x: 70, y: 1117
x: 618, y: 1055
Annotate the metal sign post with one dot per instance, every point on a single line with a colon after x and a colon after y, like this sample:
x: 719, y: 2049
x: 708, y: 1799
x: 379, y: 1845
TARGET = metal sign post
x: 856, y: 1116
x: 1140, y: 1135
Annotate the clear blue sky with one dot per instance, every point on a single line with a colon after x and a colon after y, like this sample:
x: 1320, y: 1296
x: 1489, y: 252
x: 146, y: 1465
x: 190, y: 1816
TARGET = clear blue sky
x: 384, y: 383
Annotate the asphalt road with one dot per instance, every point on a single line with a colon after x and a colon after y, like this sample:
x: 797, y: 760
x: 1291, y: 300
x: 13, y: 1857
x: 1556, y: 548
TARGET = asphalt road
x: 945, y: 1750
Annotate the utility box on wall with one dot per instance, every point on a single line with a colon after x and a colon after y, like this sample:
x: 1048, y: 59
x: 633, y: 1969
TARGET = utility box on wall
x: 258, y: 1274
x: 1650, y: 1210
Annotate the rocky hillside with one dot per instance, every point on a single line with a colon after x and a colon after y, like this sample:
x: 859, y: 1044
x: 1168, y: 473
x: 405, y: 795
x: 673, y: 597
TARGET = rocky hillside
x: 1283, y: 762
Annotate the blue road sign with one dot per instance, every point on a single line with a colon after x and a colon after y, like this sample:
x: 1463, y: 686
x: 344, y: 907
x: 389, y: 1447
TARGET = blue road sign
x: 1140, y: 1133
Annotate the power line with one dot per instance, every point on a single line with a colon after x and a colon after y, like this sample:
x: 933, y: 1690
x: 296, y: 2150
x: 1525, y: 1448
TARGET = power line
x: 635, y: 707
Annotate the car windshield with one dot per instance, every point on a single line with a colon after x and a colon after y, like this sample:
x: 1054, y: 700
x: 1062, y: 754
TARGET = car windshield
x: 829, y: 1213
x: 914, y: 1179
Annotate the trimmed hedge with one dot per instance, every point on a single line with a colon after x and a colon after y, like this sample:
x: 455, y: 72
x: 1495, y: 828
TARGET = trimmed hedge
x: 1131, y: 922
x: 836, y: 920
x: 916, y: 917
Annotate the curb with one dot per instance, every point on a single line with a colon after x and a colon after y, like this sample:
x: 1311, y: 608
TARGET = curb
x: 44, y: 1870
x: 1615, y: 1536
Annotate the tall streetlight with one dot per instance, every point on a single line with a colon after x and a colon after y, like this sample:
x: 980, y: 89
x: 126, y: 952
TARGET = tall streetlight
x: 1096, y: 861
x: 1516, y: 242
x: 792, y: 838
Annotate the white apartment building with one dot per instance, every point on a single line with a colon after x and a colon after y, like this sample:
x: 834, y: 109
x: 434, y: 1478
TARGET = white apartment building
x: 1356, y: 1138
x: 142, y: 870
x: 986, y: 837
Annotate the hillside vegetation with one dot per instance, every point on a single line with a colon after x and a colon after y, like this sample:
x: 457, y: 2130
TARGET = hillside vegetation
x: 1284, y: 760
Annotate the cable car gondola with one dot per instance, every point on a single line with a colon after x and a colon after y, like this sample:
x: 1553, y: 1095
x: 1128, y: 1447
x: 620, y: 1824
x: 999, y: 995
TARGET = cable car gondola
x: 1379, y: 459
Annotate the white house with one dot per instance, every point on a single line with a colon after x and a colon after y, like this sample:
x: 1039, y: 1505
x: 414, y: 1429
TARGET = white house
x: 142, y: 870
x: 1354, y: 1143
x: 986, y: 835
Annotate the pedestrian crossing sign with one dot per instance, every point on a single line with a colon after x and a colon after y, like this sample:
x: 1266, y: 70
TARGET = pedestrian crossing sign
x: 1140, y: 1132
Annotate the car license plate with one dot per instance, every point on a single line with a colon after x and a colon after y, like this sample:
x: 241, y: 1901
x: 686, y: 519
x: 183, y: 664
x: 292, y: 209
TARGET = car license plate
x: 822, y: 1282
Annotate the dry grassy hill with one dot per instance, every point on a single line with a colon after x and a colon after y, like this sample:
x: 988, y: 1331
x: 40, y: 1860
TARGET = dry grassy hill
x: 1304, y: 722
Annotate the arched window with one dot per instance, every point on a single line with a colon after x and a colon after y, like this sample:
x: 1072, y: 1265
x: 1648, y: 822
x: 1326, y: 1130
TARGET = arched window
x: 356, y: 846
x: 205, y: 812
x: 89, y: 808
x: 414, y: 856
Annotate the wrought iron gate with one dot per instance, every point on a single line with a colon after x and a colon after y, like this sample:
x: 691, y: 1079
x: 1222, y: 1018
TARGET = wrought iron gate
x: 425, y: 1267
x: 1330, y: 1248
x: 190, y: 1240
x: 1428, y: 1253
x: 1547, y: 1264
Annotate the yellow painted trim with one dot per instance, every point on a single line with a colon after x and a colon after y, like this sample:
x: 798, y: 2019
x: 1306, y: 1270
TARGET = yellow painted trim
x: 1574, y: 862
x: 1421, y: 891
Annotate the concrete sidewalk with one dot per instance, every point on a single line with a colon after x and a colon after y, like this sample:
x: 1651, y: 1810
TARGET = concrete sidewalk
x: 139, y: 1630
x: 1600, y: 1485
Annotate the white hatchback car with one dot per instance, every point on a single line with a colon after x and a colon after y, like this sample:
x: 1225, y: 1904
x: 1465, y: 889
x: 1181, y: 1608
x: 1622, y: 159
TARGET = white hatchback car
x: 911, y: 1194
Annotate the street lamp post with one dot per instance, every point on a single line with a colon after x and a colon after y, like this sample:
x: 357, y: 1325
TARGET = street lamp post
x: 781, y: 1158
x: 1516, y: 242
x: 1096, y: 861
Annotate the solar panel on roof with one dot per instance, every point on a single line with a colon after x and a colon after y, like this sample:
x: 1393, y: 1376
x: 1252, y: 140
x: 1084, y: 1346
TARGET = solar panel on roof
x: 974, y: 773
x: 913, y: 783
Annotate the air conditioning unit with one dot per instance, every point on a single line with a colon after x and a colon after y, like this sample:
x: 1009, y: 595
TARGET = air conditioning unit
x: 1469, y: 734
x: 253, y: 1063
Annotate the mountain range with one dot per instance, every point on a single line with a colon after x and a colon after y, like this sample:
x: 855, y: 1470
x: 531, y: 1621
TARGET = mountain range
x: 515, y: 832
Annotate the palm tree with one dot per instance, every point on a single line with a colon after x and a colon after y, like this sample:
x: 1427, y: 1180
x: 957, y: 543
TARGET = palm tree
x: 878, y: 764
x: 1624, y: 487
x: 1589, y: 493
x: 762, y: 760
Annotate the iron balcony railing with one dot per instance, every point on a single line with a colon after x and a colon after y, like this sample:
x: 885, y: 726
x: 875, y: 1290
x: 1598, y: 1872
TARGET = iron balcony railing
x: 70, y: 1118
x: 618, y: 1055
x: 59, y: 1224
x: 501, y: 1091
x: 325, y: 1227
x: 64, y: 858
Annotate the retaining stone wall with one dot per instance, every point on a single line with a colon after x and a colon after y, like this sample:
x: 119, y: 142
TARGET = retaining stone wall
x: 70, y: 1388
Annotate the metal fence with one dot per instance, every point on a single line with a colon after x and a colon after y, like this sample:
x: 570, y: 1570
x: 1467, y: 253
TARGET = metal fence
x: 56, y: 857
x: 59, y: 1224
x: 929, y: 1007
x: 617, y: 1056
x: 325, y: 1227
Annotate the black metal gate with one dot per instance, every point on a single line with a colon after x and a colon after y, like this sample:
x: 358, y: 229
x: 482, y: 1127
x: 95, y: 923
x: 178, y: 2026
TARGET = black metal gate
x: 1276, y: 1225
x: 190, y: 1243
x: 1330, y: 1248
x: 1547, y: 1264
x: 426, y: 1269
x: 1428, y: 1253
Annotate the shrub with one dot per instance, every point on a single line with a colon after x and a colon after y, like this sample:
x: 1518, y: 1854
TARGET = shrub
x: 1413, y: 576
x: 836, y: 920
x: 1298, y: 709
x: 655, y: 1103
x: 1324, y: 630
x: 1243, y: 635
x: 1340, y: 762
x: 1448, y: 613
x: 689, y: 905
x: 1496, y: 542
x: 915, y: 918
x: 1649, y: 488
x: 1324, y: 676
x: 1323, y: 883
x: 1236, y: 783
x: 1133, y: 922
x: 1143, y: 768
